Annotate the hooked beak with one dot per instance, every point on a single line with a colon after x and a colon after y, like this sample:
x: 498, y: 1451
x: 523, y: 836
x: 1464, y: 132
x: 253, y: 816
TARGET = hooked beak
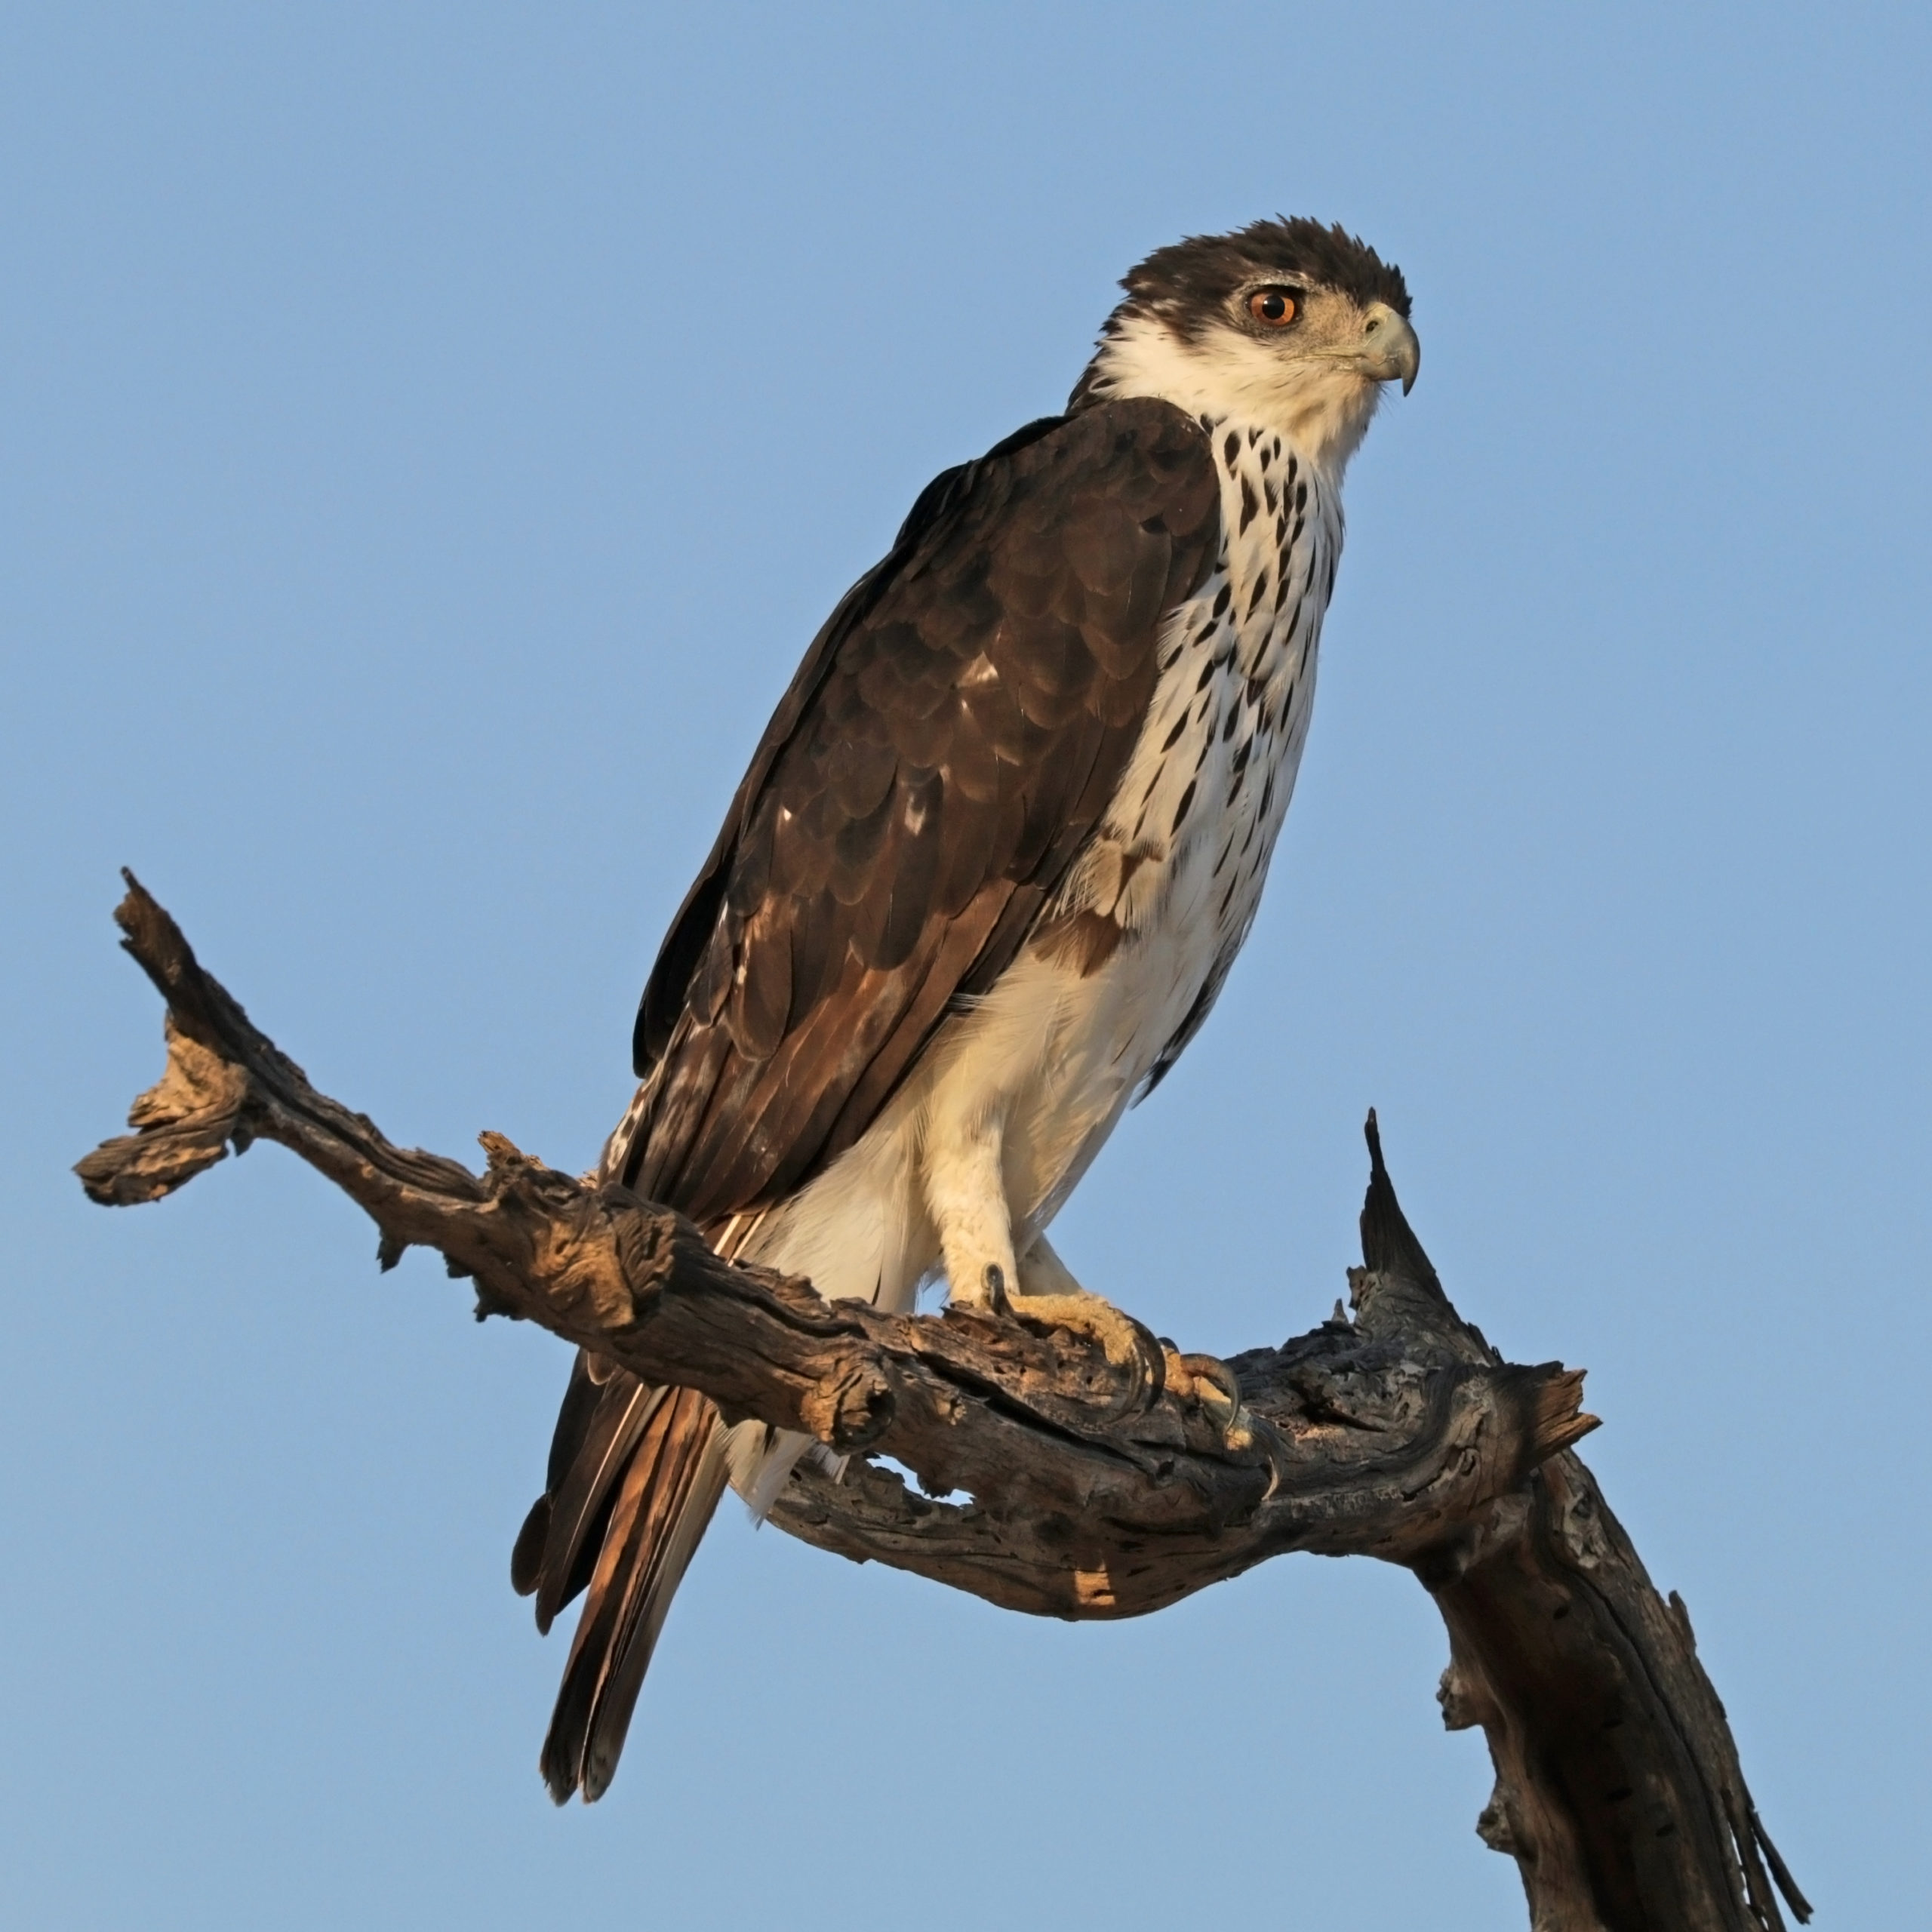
x: 1388, y: 347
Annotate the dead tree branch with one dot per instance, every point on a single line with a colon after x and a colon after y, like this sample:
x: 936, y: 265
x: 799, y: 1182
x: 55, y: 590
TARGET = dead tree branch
x: 1108, y: 1474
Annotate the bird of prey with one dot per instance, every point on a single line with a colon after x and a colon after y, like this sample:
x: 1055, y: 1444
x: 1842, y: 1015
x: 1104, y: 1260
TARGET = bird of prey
x: 993, y: 859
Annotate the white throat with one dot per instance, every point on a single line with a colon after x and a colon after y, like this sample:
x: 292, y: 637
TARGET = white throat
x: 1322, y: 407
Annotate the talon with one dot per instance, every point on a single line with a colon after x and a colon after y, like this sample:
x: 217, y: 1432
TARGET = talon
x: 1210, y: 1384
x: 994, y: 1280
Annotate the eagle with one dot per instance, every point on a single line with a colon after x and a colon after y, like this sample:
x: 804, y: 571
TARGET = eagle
x: 993, y: 860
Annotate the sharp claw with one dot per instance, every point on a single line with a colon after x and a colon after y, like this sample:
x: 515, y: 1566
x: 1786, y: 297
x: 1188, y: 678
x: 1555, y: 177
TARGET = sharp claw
x: 1209, y: 1383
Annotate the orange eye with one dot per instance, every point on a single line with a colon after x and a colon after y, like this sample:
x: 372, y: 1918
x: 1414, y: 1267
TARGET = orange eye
x: 1275, y: 308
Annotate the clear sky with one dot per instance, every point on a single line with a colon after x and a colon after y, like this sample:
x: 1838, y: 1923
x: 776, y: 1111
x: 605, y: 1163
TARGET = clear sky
x: 431, y: 434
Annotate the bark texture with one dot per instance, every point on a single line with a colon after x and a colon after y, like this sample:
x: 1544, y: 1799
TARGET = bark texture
x: 1107, y: 1473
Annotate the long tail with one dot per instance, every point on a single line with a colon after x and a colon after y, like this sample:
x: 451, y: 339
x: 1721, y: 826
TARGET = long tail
x: 635, y: 1473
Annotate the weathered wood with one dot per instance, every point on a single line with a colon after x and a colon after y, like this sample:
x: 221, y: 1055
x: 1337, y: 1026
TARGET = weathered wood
x: 1106, y: 1473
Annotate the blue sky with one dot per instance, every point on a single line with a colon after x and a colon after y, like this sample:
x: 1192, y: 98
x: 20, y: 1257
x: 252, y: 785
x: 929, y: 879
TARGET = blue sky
x: 432, y: 435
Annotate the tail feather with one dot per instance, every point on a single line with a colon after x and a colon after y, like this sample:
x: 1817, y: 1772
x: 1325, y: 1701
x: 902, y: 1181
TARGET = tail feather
x: 581, y: 1503
x: 635, y: 1473
x: 597, y: 1428
x: 673, y: 1475
x: 583, y: 1397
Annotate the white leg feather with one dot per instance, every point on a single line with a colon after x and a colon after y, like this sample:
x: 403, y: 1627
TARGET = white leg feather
x: 965, y: 1189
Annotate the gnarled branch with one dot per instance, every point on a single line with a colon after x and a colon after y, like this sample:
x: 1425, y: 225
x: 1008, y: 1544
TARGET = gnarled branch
x: 1108, y: 1473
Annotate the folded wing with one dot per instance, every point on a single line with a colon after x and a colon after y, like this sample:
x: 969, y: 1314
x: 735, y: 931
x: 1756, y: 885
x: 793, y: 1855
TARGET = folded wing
x: 953, y: 738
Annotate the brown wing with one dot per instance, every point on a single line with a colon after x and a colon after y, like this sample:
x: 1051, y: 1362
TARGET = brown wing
x: 957, y: 732
x: 953, y: 737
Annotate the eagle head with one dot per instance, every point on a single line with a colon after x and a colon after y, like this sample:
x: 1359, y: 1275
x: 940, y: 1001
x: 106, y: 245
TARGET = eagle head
x: 1285, y: 322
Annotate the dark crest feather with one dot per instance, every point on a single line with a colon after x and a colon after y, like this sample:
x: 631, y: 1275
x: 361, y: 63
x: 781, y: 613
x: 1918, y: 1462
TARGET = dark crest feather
x: 1189, y: 283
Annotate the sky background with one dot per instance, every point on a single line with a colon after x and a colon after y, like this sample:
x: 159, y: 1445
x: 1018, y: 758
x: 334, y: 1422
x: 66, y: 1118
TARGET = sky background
x: 429, y: 437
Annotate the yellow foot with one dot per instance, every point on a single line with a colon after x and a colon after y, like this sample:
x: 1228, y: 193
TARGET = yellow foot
x: 1127, y: 1346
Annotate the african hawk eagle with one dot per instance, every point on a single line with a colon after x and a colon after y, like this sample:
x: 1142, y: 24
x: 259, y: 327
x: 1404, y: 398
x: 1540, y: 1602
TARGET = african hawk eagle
x: 993, y: 859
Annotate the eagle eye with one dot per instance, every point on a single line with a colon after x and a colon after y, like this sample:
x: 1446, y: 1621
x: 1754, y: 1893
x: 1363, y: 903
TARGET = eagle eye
x: 1274, y: 308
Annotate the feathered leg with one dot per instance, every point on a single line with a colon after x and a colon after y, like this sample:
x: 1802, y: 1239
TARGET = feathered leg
x: 965, y: 1185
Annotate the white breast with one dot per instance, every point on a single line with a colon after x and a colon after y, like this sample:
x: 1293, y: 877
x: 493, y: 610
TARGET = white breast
x: 1208, y: 784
